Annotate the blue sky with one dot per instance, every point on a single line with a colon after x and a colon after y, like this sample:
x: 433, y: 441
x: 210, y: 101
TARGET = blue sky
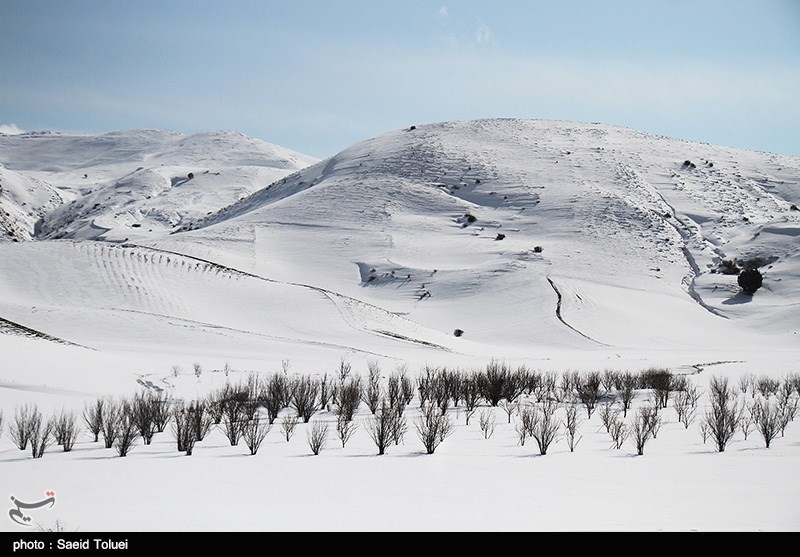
x: 317, y: 76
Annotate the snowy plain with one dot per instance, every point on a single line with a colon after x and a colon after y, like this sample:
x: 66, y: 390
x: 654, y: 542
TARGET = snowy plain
x: 555, y: 246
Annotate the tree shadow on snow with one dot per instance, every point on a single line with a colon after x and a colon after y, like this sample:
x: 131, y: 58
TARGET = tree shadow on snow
x: 740, y: 298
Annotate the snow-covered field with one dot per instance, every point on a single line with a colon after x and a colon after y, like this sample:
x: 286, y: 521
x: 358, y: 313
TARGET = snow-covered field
x: 556, y: 247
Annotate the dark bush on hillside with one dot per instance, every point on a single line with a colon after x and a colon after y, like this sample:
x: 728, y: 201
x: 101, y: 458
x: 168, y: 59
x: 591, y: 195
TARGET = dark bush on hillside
x: 750, y: 280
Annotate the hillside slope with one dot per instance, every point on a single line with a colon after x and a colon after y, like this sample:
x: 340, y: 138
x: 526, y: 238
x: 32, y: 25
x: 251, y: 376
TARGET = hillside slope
x: 547, y: 243
x: 141, y: 183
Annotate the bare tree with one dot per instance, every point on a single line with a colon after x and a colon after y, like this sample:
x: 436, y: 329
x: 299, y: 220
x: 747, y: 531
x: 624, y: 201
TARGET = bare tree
x: 660, y: 380
x: 305, y: 390
x: 111, y: 418
x: 66, y: 429
x: 685, y: 402
x: 288, y: 425
x: 619, y: 432
x: 325, y: 391
x: 524, y: 424
x: 546, y: 426
x: 433, y: 427
x: 380, y: 426
x: 371, y: 393
x: 348, y: 397
x: 345, y: 428
x: 142, y: 414
x: 255, y: 431
x: 21, y: 425
x: 767, y: 386
x: 93, y: 417
x: 470, y: 394
x: 509, y: 407
x: 768, y: 419
x: 317, y: 435
x: 627, y: 391
x: 400, y: 423
x: 126, y: 430
x: 589, y: 388
x: 722, y: 418
x: 747, y: 418
x: 41, y: 434
x: 747, y: 383
x: 182, y: 429
x: 643, y: 426
x: 608, y: 414
x: 486, y: 420
x: 571, y: 424
x: 276, y: 394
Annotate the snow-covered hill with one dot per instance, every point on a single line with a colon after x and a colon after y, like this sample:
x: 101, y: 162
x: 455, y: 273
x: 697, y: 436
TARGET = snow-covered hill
x: 459, y: 241
x: 138, y: 183
x: 553, y: 247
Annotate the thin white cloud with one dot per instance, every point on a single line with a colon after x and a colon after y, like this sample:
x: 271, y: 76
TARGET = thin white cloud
x: 484, y: 35
x: 443, y: 11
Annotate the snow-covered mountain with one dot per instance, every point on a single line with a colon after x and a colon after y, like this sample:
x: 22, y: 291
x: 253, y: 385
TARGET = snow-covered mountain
x: 553, y: 246
x: 457, y: 241
x: 131, y: 184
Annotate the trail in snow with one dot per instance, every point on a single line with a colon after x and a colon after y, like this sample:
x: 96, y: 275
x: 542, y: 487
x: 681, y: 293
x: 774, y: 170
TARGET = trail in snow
x: 561, y: 318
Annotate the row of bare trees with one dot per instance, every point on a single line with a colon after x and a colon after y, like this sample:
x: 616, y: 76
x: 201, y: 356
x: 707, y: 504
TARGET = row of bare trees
x: 248, y: 410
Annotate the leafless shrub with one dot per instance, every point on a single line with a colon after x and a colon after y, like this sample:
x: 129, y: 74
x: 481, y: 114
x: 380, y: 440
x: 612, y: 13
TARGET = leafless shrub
x: 254, y: 431
x: 660, y: 381
x: 400, y: 423
x: 325, y: 391
x: 371, y: 393
x: 608, y: 414
x: 685, y: 402
x: 768, y: 420
x: 644, y: 424
x: 41, y: 434
x: 276, y: 394
x: 619, y: 432
x: 589, y: 389
x: 767, y: 386
x: 198, y: 370
x: 509, y: 407
x: 498, y: 382
x: 380, y: 426
x: 722, y: 418
x: 543, y: 386
x: 486, y: 420
x: 747, y: 383
x: 571, y: 424
x: 305, y: 390
x: 433, y: 427
x: 470, y: 394
x: 747, y: 418
x: 288, y: 425
x: 142, y: 413
x: 627, y: 391
x: 317, y: 435
x: 348, y: 397
x: 452, y: 385
x: 182, y: 429
x: 345, y: 428
x: 524, y: 424
x: 93, y: 417
x: 22, y: 423
x: 126, y: 429
x: 66, y: 429
x: 111, y: 418
x: 545, y: 425
x: 610, y: 379
x: 161, y: 408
